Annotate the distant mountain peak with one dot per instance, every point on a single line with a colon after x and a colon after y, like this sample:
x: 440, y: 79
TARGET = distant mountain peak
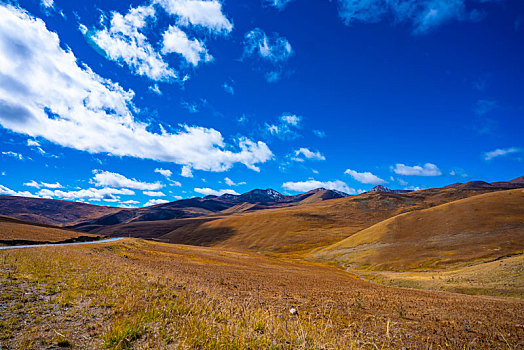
x: 382, y: 189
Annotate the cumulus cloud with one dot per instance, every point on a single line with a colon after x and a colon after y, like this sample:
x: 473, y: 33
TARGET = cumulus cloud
x: 193, y: 50
x: 309, y: 154
x: 427, y: 170
x: 124, y: 39
x: 164, y: 172
x: 210, y: 192
x: 304, y: 186
x: 109, y: 179
x: 35, y: 184
x: 501, y: 152
x: 206, y: 14
x: 7, y: 191
x: 365, y: 177
x: 423, y: 15
x: 44, y: 92
x: 90, y: 194
x: 186, y: 171
x: 155, y: 202
x: 154, y: 193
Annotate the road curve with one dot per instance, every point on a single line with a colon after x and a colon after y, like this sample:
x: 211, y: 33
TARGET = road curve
x: 59, y: 244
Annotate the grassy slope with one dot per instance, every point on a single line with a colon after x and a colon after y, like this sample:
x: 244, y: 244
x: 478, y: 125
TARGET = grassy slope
x: 296, y: 230
x: 479, y: 228
x: 13, y: 229
x: 147, y: 295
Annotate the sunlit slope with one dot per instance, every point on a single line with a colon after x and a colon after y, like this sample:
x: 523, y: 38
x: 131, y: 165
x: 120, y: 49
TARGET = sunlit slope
x: 482, y: 227
x: 17, y: 230
x: 302, y: 228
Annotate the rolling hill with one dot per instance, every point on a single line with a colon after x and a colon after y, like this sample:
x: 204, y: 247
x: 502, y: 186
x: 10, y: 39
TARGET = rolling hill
x: 480, y: 228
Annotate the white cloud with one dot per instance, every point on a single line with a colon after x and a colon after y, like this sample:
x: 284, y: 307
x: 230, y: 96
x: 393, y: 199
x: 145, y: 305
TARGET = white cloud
x: 365, y: 177
x: 91, y: 194
x: 33, y: 143
x: 279, y: 4
x: 48, y: 3
x: 275, y: 49
x: 230, y: 182
x: 501, y: 152
x: 35, y: 184
x: 211, y: 192
x: 155, y: 89
x: 109, y: 179
x: 304, y: 186
x: 309, y: 154
x: 155, y: 202
x: 203, y: 13
x: 131, y: 201
x: 424, y: 15
x: 193, y: 50
x: 291, y: 119
x: 11, y: 153
x: 154, y: 193
x: 284, y: 129
x: 164, y: 172
x: 7, y: 191
x: 123, y: 41
x: 427, y: 170
x: 90, y: 113
x: 186, y: 171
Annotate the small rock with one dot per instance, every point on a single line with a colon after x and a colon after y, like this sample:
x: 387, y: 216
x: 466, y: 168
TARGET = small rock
x: 293, y: 311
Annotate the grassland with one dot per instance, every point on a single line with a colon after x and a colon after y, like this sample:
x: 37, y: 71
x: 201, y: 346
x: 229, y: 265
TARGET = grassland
x: 138, y: 294
x: 13, y: 229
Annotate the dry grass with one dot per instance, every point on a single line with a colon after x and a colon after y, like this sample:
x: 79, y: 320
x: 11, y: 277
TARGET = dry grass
x: 12, y: 229
x: 472, y: 230
x: 136, y: 294
x: 502, y: 277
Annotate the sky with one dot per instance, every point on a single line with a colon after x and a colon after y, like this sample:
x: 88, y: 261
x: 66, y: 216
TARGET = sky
x: 135, y: 103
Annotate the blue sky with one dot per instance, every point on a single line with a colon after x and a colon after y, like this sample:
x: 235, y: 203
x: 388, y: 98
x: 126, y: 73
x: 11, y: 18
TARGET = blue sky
x: 131, y: 103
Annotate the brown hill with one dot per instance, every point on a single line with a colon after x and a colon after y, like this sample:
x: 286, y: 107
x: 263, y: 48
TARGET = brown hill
x: 479, y: 228
x: 50, y: 211
x: 17, y: 230
x: 296, y: 229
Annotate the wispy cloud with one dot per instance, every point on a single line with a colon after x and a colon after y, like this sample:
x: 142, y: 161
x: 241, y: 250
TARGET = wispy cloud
x: 154, y: 193
x: 501, y: 152
x: 279, y: 4
x: 155, y: 202
x: 304, y: 186
x: 228, y: 87
x: 109, y: 179
x: 274, y: 50
x: 285, y: 129
x: 365, y: 177
x: 305, y: 152
x: 230, y: 182
x: 11, y: 153
x: 210, y: 192
x: 35, y: 184
x: 427, y: 170
x: 424, y: 15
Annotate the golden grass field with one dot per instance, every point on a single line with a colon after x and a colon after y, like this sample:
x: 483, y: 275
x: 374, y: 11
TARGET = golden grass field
x: 13, y: 229
x: 140, y: 294
x: 476, y: 229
